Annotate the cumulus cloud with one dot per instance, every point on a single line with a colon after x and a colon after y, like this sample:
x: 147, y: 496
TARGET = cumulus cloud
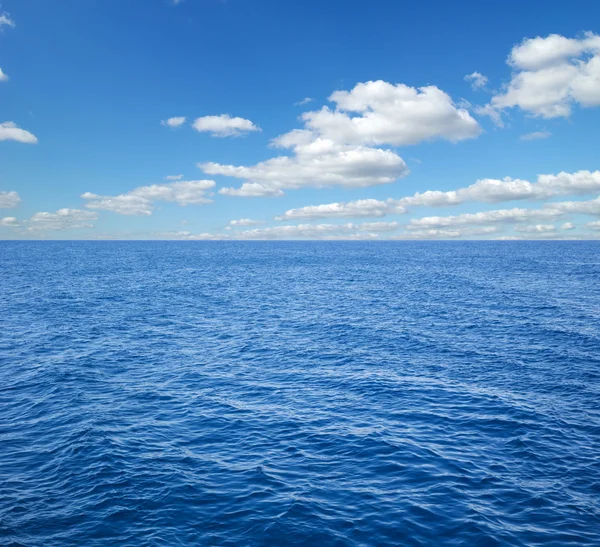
x: 552, y: 74
x: 589, y: 207
x: 349, y: 209
x: 477, y: 80
x: 568, y: 226
x: 368, y: 230
x: 593, y: 225
x: 9, y: 222
x: 377, y: 112
x: 224, y: 126
x: 176, y: 121
x: 63, y: 219
x: 508, y: 189
x: 536, y: 135
x: 500, y: 216
x: 484, y: 190
x: 140, y: 201
x: 10, y: 131
x: 338, y: 146
x: 9, y: 199
x: 244, y: 222
x: 3, y: 76
x: 318, y: 163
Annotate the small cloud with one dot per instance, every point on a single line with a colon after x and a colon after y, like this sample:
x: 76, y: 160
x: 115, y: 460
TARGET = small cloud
x: 5, y: 20
x: 244, y: 222
x: 493, y: 113
x: 9, y: 222
x: 10, y: 131
x: 224, y: 126
x: 9, y: 199
x: 568, y: 226
x: 304, y: 101
x: 477, y: 80
x: 595, y: 225
x: 173, y: 177
x: 252, y: 190
x: 536, y: 135
x: 176, y: 121
x: 3, y: 76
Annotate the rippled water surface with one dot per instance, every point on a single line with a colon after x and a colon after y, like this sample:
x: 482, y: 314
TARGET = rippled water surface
x: 299, y: 393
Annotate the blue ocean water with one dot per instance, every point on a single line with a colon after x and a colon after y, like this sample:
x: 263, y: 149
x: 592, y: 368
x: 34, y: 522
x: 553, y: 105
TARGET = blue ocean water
x: 300, y: 393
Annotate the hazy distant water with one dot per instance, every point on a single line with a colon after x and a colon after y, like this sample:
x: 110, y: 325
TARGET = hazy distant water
x: 222, y: 393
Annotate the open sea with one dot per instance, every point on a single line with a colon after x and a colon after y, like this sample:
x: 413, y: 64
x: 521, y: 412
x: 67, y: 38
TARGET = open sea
x: 299, y: 393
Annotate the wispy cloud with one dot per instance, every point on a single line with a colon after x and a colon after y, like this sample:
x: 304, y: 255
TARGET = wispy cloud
x: 477, y: 80
x: 6, y: 21
x: 9, y: 200
x: 536, y: 135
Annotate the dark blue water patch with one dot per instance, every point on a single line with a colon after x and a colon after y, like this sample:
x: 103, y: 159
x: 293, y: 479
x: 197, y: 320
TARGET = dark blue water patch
x: 300, y: 393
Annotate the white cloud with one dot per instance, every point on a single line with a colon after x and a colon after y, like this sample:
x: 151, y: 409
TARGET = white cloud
x: 9, y: 199
x: 551, y: 75
x: 336, y: 147
x: 590, y: 207
x: 508, y: 189
x: 9, y: 131
x: 173, y: 177
x: 350, y: 209
x: 251, y: 190
x: 535, y: 228
x: 5, y: 20
x: 484, y: 190
x: 224, y: 126
x: 3, y: 77
x: 318, y: 163
x: 63, y: 219
x: 176, y: 121
x: 9, y: 222
x: 447, y: 233
x: 368, y: 230
x: 304, y: 101
x: 477, y: 80
x: 140, y: 201
x: 568, y: 226
x: 593, y: 225
x: 536, y: 135
x: 244, y: 222
x: 391, y: 114
x: 500, y: 216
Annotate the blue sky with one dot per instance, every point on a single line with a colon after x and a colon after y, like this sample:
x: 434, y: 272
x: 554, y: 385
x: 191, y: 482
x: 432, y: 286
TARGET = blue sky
x: 154, y: 119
